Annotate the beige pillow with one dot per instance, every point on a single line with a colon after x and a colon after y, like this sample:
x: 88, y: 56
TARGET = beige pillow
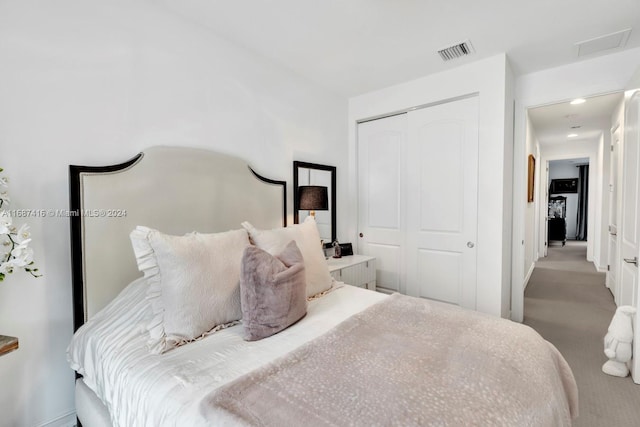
x: 194, y: 282
x: 272, y: 290
x: 308, y: 240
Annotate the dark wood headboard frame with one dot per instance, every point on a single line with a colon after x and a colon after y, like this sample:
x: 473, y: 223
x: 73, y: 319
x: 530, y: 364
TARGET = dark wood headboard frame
x: 77, y: 279
x: 76, y: 225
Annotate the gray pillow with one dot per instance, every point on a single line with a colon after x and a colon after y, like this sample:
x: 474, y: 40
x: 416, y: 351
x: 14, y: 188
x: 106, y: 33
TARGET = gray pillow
x: 272, y: 291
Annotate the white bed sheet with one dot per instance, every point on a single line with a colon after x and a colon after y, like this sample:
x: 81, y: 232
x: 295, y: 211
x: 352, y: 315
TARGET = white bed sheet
x: 143, y: 389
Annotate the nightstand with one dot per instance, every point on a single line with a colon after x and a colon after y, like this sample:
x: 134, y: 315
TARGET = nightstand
x: 356, y: 270
x: 7, y: 344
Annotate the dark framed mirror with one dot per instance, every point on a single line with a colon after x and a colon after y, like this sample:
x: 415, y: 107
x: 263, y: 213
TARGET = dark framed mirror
x: 313, y: 174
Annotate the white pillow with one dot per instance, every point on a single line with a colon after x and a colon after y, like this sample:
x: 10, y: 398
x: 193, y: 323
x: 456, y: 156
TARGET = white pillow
x: 193, y: 282
x: 307, y: 238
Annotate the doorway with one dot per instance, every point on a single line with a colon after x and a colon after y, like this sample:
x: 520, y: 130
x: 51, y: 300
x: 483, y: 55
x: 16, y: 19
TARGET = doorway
x: 572, y: 140
x: 568, y: 202
x: 558, y: 132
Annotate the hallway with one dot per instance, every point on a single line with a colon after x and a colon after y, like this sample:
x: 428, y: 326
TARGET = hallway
x: 567, y: 303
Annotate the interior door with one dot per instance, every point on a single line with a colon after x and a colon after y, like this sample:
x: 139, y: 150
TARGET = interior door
x: 629, y: 233
x: 629, y: 229
x: 546, y: 211
x: 442, y: 188
x: 612, y: 263
x: 381, y: 192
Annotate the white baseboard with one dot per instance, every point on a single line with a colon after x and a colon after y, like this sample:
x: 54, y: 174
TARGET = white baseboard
x: 528, y: 276
x: 66, y: 420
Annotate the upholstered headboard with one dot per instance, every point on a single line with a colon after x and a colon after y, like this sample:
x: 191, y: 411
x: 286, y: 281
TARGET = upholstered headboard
x: 175, y: 190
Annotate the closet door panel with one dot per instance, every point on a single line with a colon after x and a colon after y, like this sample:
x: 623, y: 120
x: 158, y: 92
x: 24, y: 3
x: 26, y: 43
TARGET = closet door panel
x: 441, y: 199
x: 381, y: 158
x: 444, y: 268
x: 441, y: 228
x: 387, y: 265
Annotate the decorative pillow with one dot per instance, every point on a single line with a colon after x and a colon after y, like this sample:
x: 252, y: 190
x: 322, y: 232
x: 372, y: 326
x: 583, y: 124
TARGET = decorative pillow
x: 273, y: 291
x: 308, y: 240
x: 194, y: 282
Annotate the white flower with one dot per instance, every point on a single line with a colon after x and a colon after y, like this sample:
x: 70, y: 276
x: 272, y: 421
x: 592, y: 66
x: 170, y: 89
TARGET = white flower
x: 23, y: 234
x: 6, y: 267
x: 4, y: 198
x: 14, y: 240
x: 22, y: 254
x: 5, y: 222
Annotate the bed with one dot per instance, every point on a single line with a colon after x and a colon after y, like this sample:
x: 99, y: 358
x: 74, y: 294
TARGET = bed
x: 355, y: 357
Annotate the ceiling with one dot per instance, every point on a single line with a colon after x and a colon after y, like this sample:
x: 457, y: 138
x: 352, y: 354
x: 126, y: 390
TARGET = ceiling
x: 355, y: 46
x: 553, y: 123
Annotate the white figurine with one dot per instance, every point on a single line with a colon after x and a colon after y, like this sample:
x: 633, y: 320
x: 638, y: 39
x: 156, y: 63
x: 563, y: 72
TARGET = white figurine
x: 618, y: 342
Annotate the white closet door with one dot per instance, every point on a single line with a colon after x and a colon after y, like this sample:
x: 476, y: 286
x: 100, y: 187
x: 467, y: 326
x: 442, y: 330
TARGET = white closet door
x: 611, y: 279
x: 630, y: 219
x: 442, y: 190
x: 381, y: 190
x: 629, y: 234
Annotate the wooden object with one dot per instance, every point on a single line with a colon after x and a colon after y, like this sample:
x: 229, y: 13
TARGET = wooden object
x: 8, y: 344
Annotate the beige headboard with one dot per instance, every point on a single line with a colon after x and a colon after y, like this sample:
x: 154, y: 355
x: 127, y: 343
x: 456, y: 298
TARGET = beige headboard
x: 175, y: 190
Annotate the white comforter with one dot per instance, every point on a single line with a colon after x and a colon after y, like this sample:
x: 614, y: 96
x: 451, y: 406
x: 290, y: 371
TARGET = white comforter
x: 141, y: 389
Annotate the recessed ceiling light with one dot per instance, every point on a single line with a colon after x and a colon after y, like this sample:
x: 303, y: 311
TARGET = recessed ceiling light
x: 578, y: 101
x: 572, y: 135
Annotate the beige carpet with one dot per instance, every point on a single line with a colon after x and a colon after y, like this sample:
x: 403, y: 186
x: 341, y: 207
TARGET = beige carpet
x: 567, y: 303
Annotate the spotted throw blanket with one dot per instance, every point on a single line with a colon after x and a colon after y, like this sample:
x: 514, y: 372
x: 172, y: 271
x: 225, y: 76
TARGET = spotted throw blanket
x: 407, y: 362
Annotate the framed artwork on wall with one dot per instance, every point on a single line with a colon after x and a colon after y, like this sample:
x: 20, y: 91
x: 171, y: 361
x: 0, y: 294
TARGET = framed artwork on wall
x: 566, y: 185
x: 531, y: 173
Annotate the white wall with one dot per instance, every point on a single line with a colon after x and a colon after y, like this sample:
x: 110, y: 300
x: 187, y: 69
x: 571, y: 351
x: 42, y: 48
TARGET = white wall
x: 600, y: 75
x: 601, y: 251
x: 94, y: 83
x: 615, y: 198
x: 490, y: 78
x: 634, y: 81
x: 507, y: 188
x: 531, y: 208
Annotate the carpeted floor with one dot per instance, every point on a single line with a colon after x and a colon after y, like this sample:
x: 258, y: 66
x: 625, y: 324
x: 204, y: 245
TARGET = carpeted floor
x: 567, y: 303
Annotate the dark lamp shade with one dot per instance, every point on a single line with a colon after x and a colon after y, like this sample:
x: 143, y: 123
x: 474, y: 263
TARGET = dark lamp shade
x: 313, y: 198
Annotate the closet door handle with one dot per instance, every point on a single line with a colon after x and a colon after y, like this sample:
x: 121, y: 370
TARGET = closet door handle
x: 633, y: 260
x: 470, y: 245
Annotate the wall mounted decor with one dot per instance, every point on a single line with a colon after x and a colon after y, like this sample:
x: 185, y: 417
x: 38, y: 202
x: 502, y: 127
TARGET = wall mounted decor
x: 531, y: 178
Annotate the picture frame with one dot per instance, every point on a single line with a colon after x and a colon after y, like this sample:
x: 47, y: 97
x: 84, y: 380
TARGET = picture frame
x: 531, y: 174
x: 564, y: 185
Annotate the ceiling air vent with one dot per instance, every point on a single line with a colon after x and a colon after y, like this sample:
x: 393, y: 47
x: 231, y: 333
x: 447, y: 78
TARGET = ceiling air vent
x: 456, y: 51
x: 603, y: 43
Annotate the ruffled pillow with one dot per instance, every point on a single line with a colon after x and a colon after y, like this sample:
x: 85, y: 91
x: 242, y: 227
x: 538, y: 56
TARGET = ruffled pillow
x: 273, y: 291
x: 307, y: 238
x: 193, y: 283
